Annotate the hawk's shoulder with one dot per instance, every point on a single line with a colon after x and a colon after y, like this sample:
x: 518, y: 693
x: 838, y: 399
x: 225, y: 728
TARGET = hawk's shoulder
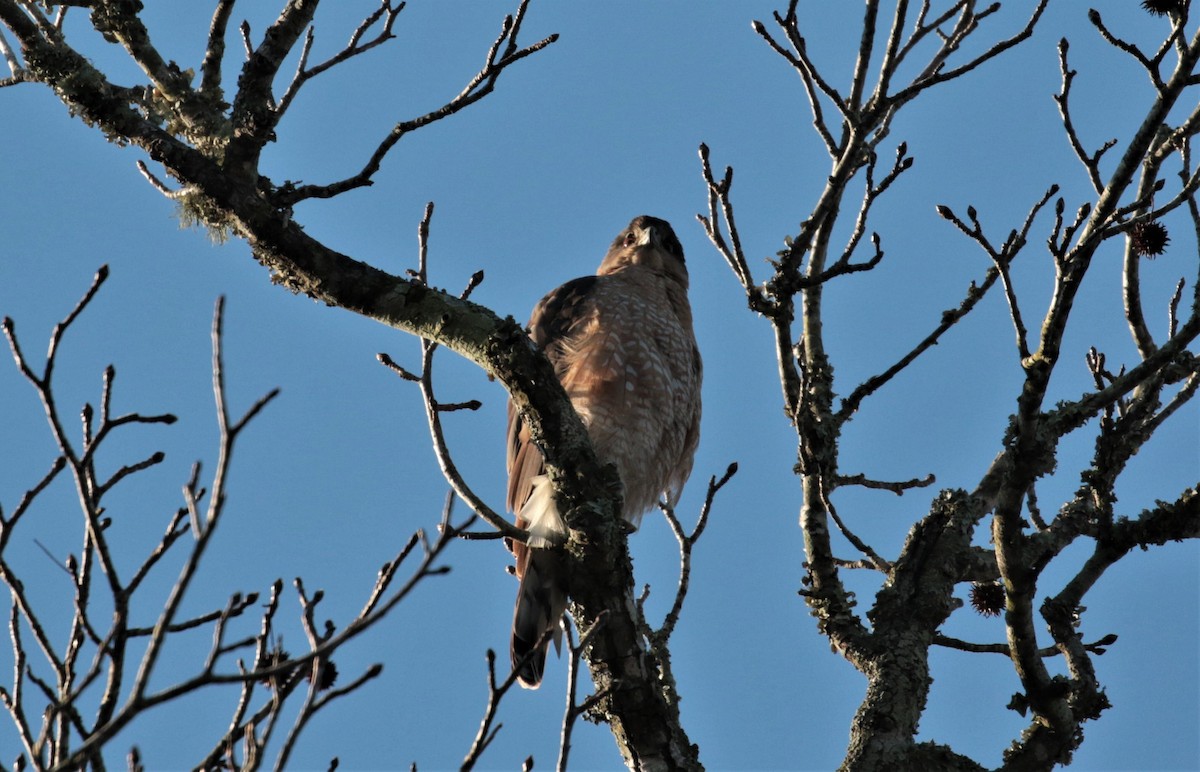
x: 559, y: 311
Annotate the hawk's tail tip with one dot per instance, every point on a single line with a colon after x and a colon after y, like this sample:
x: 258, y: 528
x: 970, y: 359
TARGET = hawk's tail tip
x: 527, y: 662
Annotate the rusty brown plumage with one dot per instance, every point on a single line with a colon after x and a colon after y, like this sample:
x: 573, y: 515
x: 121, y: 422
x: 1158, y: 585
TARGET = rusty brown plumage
x: 623, y: 347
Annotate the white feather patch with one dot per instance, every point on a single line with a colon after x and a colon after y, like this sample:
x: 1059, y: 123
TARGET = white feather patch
x: 546, y: 526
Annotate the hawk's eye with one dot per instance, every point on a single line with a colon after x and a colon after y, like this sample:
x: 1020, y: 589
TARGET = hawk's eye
x: 630, y: 239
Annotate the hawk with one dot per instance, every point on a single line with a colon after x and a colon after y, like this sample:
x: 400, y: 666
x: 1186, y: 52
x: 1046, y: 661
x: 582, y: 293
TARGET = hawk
x: 622, y: 345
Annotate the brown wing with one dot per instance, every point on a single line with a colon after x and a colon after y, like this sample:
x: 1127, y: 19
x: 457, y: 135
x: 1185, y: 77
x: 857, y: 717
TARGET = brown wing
x: 689, y: 414
x: 553, y: 322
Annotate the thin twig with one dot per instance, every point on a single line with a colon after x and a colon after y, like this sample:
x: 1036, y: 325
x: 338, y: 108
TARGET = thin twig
x: 487, y: 732
x: 897, y: 487
x: 482, y: 84
x: 353, y: 48
x: 575, y: 710
x: 950, y: 317
x: 1095, y: 647
x: 1091, y: 163
x: 686, y: 544
x: 434, y: 409
x: 860, y: 545
x: 718, y: 197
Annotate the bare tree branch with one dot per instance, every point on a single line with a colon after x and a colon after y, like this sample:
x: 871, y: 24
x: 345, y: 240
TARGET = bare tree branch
x: 477, y: 88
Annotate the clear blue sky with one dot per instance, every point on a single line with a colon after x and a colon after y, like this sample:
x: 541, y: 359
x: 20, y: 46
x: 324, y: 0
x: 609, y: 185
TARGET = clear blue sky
x: 530, y: 186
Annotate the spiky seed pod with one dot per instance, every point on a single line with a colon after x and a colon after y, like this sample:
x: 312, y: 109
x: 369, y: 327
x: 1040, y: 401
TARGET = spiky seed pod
x: 1149, y: 239
x: 277, y: 655
x: 1162, y: 7
x: 987, y: 598
x: 329, y: 676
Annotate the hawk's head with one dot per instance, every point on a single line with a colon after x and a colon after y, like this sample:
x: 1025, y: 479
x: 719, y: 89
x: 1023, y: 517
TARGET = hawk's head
x: 650, y: 243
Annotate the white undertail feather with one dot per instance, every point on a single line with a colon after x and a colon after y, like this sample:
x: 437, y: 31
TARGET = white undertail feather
x: 545, y: 525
